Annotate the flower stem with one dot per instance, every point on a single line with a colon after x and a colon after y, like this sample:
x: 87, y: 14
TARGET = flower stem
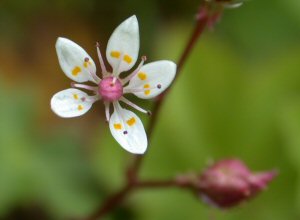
x: 115, y: 199
x: 203, y: 20
x: 162, y: 184
x: 111, y: 202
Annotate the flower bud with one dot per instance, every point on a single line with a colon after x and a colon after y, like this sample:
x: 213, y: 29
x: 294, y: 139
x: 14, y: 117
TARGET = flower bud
x: 229, y: 182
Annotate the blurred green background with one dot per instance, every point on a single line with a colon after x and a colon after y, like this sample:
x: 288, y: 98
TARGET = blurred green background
x: 238, y: 96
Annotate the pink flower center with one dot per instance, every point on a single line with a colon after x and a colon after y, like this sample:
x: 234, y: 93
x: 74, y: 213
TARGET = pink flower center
x: 109, y: 90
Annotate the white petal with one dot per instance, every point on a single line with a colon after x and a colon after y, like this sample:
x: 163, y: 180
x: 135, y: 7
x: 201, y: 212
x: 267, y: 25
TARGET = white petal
x: 124, y: 44
x: 156, y: 76
x: 128, y: 130
x: 72, y: 59
x: 71, y: 103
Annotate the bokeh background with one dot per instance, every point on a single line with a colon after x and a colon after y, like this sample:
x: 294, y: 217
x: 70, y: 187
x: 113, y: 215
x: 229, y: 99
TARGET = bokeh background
x: 238, y: 96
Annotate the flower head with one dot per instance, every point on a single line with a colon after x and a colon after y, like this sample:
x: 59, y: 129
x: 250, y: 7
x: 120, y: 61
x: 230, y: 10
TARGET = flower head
x: 229, y: 182
x: 146, y: 81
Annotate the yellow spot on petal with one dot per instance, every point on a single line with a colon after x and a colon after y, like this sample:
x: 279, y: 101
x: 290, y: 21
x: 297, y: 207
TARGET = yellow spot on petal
x: 131, y: 121
x: 80, y: 107
x: 76, y: 70
x: 87, y: 63
x: 146, y: 86
x: 127, y: 59
x: 142, y: 76
x: 115, y: 54
x: 118, y: 126
x: 75, y: 96
x: 147, y: 92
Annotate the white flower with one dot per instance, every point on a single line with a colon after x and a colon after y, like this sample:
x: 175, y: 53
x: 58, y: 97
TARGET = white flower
x: 146, y: 81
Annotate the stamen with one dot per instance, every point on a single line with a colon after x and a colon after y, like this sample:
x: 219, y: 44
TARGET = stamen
x: 93, y: 74
x: 118, y: 108
x: 130, y: 76
x: 82, y: 86
x: 107, y: 115
x: 159, y: 86
x: 116, y: 71
x: 133, y: 90
x: 125, y: 132
x: 91, y: 98
x: 126, y: 101
x: 103, y: 68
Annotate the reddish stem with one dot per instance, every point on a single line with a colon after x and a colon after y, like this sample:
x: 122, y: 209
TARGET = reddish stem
x: 156, y: 184
x: 164, y: 184
x: 110, y: 203
x: 203, y: 19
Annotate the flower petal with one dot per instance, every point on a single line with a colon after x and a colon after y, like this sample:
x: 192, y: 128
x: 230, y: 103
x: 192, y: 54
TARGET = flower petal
x: 74, y: 60
x: 71, y: 103
x: 156, y: 76
x: 124, y: 44
x: 128, y: 130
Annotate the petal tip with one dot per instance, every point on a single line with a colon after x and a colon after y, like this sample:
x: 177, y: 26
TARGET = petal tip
x: 132, y: 20
x: 52, y: 106
x: 60, y: 43
x: 173, y: 64
x: 60, y: 40
x: 139, y: 150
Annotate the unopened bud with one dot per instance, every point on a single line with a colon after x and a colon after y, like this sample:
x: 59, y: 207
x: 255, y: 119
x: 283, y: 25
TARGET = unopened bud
x: 229, y: 182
